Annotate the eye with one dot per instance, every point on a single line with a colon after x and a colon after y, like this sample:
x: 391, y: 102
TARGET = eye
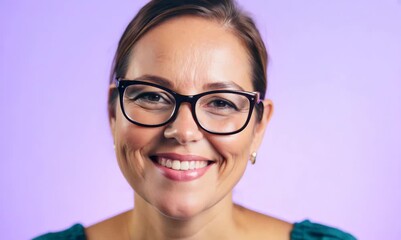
x: 150, y: 100
x: 222, y: 104
x: 153, y: 98
x: 149, y: 96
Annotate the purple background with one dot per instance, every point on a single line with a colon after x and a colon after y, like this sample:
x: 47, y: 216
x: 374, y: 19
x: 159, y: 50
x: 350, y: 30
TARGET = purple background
x: 332, y: 152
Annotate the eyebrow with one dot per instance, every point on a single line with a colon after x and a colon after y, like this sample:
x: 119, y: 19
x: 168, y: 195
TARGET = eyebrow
x: 157, y: 79
x: 223, y: 85
x: 208, y: 86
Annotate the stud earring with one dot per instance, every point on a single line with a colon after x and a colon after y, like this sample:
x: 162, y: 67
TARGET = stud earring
x: 253, y: 158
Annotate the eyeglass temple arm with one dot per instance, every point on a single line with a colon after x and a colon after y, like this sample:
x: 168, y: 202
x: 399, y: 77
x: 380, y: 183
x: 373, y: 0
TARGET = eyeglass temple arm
x: 257, y: 97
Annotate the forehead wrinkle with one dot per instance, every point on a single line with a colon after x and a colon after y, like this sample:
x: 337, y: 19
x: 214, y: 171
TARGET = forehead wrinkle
x: 191, y: 67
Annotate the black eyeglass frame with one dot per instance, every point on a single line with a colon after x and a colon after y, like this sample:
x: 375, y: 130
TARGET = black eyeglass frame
x: 122, y: 84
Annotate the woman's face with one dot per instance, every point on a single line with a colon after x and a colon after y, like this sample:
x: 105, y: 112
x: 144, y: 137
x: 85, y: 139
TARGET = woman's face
x: 189, y: 55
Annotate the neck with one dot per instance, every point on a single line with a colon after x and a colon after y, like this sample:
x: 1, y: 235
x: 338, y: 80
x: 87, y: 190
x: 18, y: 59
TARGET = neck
x: 146, y: 222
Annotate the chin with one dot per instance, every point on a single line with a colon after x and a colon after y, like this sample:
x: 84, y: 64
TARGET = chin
x: 178, y: 215
x: 181, y: 210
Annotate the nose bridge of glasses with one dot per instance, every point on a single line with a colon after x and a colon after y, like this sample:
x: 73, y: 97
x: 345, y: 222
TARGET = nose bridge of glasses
x: 188, y: 100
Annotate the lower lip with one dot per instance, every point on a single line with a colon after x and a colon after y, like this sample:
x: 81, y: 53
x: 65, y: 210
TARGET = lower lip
x: 183, y: 176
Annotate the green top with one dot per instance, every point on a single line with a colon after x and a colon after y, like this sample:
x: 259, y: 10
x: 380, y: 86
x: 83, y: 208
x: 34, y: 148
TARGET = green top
x: 305, y: 230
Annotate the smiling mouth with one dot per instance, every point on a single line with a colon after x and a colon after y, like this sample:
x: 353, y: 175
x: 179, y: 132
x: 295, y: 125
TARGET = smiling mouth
x: 180, y: 165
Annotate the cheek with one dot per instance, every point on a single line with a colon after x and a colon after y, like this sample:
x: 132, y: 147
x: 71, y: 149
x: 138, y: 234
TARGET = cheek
x: 234, y: 151
x: 132, y: 142
x: 233, y: 146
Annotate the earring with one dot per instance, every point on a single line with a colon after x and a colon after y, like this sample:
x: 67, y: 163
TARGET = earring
x: 253, y: 158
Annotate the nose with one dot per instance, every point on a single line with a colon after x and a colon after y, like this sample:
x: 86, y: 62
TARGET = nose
x: 183, y: 128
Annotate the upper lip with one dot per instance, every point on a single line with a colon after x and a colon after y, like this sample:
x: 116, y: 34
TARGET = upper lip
x: 181, y: 157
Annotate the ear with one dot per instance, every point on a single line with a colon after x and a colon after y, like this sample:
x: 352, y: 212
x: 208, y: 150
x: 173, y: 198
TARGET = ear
x: 260, y: 126
x: 112, y: 108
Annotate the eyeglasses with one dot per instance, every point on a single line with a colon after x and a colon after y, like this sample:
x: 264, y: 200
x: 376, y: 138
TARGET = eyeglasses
x: 221, y: 112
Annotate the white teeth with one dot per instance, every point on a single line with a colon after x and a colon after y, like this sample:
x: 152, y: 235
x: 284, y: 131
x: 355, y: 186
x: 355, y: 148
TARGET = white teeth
x: 183, y: 166
x: 176, y: 165
x: 191, y: 165
x: 162, y: 161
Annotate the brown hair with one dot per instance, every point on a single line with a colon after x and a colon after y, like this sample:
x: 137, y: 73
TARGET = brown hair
x: 225, y: 12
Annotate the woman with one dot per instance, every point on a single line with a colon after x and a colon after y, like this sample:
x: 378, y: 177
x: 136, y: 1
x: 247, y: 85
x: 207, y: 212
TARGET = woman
x: 187, y: 110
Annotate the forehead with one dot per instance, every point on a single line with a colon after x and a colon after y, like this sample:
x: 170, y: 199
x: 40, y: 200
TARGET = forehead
x: 191, y: 52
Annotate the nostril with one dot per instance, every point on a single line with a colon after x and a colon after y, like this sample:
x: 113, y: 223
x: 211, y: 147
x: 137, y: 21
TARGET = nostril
x: 184, y: 127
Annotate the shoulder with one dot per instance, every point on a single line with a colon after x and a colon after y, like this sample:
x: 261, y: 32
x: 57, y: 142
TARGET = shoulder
x: 111, y: 228
x: 255, y: 225
x: 76, y: 232
x: 307, y: 230
x: 108, y: 229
